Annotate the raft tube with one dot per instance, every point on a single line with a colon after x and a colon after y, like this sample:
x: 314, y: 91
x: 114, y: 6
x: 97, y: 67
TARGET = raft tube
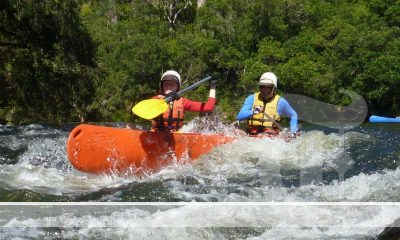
x: 100, y: 149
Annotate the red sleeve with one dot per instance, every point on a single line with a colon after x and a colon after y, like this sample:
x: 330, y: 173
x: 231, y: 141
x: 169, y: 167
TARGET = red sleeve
x: 199, y: 106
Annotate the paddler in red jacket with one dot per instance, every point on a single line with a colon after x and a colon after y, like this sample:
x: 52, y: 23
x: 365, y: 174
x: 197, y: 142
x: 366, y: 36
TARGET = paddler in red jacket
x: 172, y: 119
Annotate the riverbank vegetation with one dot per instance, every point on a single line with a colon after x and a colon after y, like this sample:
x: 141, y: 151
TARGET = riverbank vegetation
x: 64, y: 61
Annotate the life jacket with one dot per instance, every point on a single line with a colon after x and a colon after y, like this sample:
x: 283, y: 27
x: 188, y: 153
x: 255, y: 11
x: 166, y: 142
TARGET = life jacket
x: 172, y: 118
x: 259, y: 122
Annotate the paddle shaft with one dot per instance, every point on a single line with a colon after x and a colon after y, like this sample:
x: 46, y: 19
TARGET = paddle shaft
x: 168, y: 99
x: 151, y: 108
x: 273, y: 121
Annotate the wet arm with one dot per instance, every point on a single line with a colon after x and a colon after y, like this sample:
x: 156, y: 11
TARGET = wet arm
x: 284, y: 109
x: 247, y: 109
x: 195, y: 106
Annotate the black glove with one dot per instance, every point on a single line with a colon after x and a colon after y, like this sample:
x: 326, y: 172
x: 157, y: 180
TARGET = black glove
x: 289, y: 137
x: 293, y: 136
x: 172, y: 96
x: 213, y: 84
x: 257, y: 109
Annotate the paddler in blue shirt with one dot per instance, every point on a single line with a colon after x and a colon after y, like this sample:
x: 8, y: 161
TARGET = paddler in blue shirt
x: 265, y: 104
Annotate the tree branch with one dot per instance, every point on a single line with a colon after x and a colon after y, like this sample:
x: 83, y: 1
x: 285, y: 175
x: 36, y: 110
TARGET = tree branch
x: 4, y: 44
x: 8, y: 32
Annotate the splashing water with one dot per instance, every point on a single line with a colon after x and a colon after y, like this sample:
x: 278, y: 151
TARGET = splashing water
x: 320, y: 166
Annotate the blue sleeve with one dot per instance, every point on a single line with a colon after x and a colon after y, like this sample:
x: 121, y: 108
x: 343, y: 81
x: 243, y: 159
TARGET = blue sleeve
x: 284, y: 109
x: 247, y: 109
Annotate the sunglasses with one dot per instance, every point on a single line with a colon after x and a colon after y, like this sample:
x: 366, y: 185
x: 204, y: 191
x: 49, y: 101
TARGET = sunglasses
x: 266, y: 87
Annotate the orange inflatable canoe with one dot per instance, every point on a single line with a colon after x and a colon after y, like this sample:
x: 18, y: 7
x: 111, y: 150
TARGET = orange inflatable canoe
x: 100, y: 149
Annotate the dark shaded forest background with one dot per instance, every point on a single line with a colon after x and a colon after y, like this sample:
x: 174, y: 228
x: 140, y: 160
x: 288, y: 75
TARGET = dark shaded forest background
x: 68, y: 61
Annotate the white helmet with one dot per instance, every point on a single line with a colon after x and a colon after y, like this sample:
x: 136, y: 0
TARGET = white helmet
x: 268, y: 78
x: 172, y: 75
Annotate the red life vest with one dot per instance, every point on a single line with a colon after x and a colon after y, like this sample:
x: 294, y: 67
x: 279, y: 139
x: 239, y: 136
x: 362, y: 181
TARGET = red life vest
x: 172, y: 119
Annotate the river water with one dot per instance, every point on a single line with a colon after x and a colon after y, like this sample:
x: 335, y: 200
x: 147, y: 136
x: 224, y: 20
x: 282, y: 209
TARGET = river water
x: 324, y: 184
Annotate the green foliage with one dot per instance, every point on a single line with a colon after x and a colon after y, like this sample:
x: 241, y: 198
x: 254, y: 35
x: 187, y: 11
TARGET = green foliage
x: 47, y: 62
x: 53, y: 69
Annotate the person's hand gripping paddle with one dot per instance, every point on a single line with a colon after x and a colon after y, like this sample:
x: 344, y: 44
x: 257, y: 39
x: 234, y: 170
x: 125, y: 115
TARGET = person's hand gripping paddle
x: 151, y: 108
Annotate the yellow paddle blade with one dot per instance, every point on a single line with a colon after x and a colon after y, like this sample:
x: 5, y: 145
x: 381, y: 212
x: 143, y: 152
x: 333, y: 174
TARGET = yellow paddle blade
x: 150, y: 108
